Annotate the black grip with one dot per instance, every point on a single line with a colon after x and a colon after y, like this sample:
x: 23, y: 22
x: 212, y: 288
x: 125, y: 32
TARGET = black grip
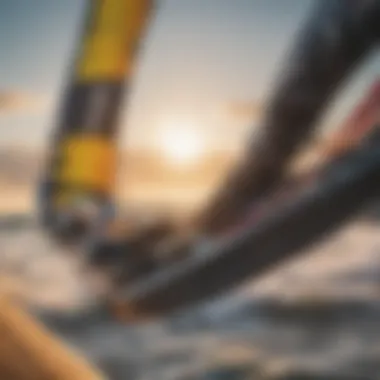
x: 334, y: 40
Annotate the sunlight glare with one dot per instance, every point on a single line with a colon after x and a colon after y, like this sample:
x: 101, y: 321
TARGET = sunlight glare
x: 181, y: 143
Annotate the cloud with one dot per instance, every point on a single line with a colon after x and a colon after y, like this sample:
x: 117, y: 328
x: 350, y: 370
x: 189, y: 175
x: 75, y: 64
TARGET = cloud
x: 244, y: 110
x: 13, y: 102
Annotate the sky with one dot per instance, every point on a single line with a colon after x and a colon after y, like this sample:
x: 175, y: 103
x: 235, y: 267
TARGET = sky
x: 207, y: 64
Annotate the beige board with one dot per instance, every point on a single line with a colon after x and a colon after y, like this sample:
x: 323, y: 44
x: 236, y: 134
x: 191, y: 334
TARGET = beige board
x: 29, y: 351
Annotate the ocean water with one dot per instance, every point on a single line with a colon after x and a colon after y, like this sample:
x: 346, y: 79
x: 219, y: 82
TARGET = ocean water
x: 317, y: 317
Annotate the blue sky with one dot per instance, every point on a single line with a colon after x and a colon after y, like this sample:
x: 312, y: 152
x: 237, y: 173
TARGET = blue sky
x: 200, y: 57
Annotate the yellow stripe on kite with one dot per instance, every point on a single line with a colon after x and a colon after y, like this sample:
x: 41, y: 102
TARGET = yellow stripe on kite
x: 88, y: 161
x: 110, y: 43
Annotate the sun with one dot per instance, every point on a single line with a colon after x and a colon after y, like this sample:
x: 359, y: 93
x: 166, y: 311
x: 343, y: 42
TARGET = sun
x: 181, y: 143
